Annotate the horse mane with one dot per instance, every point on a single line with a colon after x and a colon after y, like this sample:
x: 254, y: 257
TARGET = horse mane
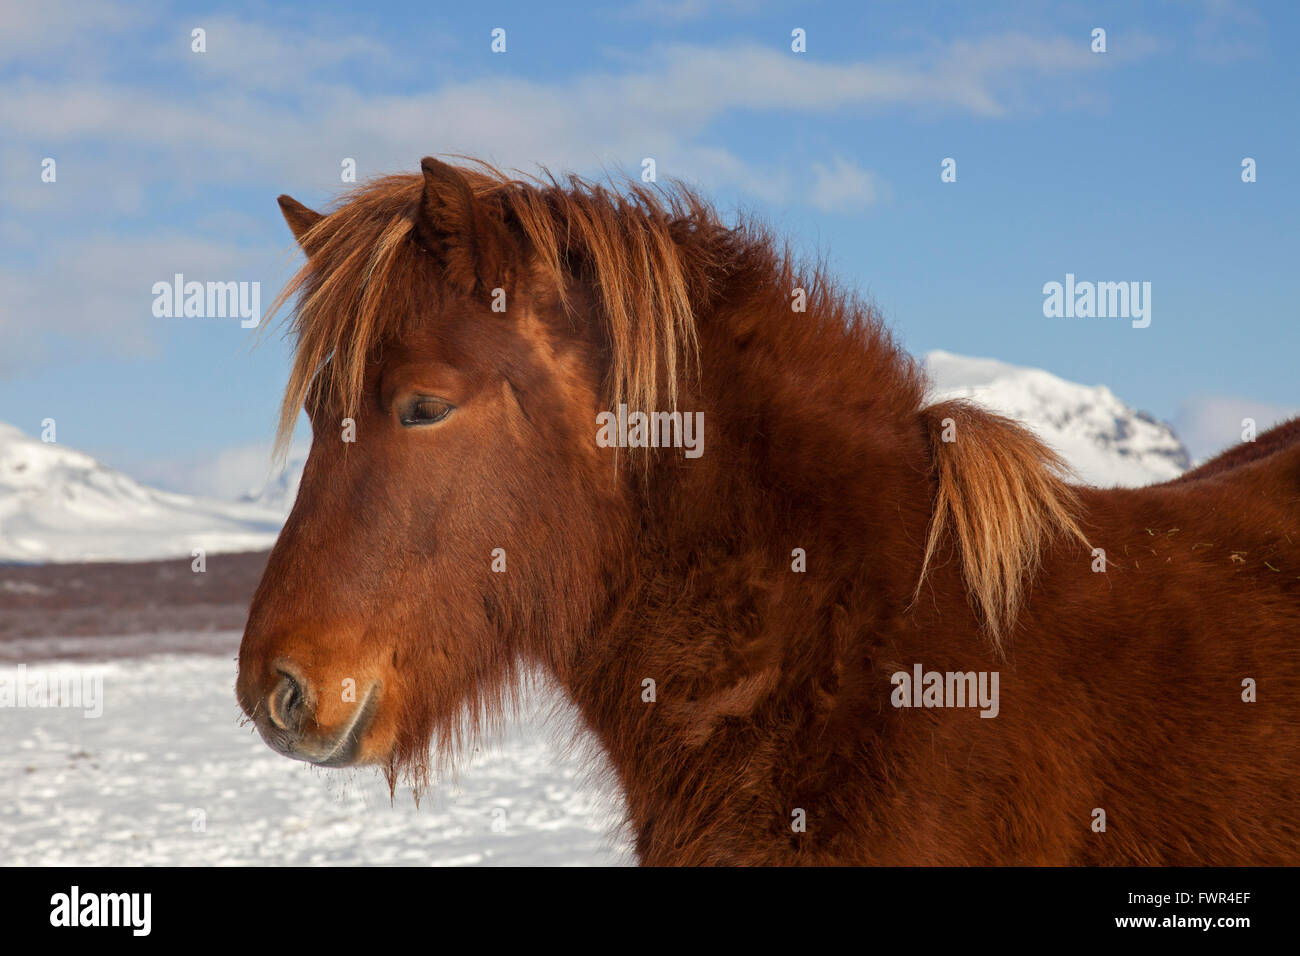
x: 654, y: 255
x: 1002, y: 495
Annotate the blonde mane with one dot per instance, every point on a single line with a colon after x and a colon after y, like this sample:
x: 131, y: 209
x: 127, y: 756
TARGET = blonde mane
x: 1003, y: 498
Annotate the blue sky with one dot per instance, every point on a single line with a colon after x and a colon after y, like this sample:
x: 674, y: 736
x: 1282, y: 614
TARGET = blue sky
x: 1119, y: 166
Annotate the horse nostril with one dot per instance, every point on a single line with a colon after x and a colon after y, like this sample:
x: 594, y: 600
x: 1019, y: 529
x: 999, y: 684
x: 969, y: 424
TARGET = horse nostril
x: 286, y: 703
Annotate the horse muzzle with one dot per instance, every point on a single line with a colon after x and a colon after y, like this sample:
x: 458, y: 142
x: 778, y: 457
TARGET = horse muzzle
x: 287, y: 720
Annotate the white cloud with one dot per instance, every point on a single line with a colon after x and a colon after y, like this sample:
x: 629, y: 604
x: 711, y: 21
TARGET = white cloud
x: 254, y: 55
x: 664, y: 104
x: 682, y: 10
x: 1227, y: 32
x: 843, y: 186
x: 1209, y: 424
x: 32, y: 31
x: 95, y: 294
x: 228, y: 473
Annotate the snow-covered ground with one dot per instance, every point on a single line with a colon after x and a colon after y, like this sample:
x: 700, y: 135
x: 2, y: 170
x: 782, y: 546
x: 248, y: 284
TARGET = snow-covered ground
x: 127, y: 787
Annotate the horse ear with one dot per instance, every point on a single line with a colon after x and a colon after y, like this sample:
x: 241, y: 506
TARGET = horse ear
x: 298, y: 216
x: 466, y: 233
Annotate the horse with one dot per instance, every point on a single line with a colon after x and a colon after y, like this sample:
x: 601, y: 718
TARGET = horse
x: 852, y: 628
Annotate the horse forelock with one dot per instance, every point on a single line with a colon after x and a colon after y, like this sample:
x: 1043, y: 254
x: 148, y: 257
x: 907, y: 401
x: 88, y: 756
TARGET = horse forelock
x: 628, y: 245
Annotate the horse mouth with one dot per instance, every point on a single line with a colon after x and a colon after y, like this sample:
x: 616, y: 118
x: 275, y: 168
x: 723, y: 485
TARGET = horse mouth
x: 339, y: 750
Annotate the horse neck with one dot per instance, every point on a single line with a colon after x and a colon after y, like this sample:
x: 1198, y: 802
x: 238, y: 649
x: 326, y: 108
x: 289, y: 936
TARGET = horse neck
x: 812, y: 459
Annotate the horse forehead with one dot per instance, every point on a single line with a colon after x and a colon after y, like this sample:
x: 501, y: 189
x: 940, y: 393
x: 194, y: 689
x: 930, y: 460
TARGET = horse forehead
x: 450, y: 336
x: 523, y: 328
x: 556, y: 355
x: 519, y: 332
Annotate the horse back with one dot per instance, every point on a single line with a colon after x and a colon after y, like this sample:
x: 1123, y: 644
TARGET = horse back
x: 1278, y: 438
x: 1169, y: 659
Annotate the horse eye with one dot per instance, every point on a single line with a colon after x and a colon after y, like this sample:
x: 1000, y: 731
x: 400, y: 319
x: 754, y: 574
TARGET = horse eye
x: 426, y: 411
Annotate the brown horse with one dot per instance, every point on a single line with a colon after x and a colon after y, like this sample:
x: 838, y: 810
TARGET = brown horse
x: 840, y: 627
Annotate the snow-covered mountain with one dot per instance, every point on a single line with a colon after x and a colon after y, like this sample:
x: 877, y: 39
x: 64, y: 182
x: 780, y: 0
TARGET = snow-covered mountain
x: 57, y: 504
x: 1105, y: 441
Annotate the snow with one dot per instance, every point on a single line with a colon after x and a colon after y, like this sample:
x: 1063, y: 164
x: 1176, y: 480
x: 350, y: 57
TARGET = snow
x: 1104, y: 441
x: 281, y: 489
x: 126, y: 788
x: 58, y: 504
